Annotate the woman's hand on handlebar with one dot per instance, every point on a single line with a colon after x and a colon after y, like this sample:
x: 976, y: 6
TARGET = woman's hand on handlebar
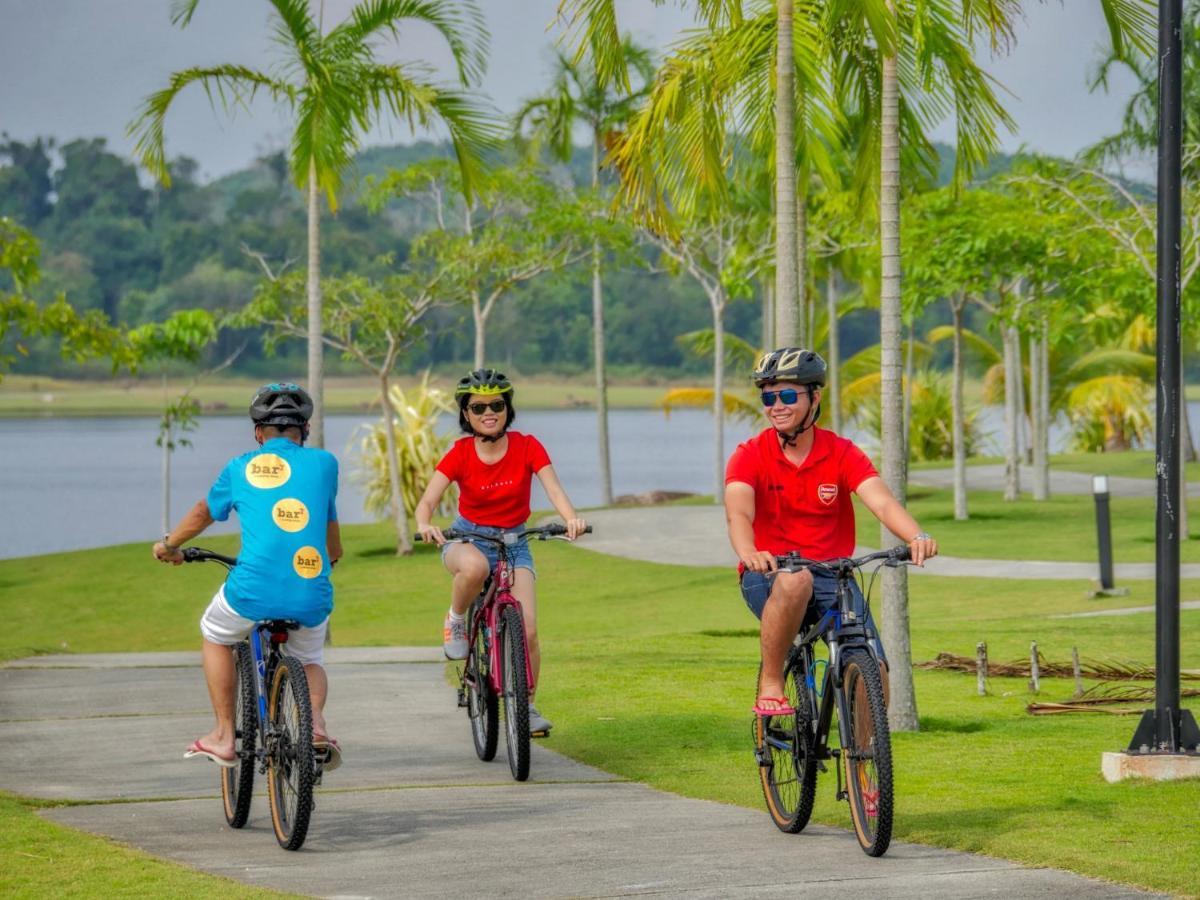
x: 162, y: 554
x: 759, y: 561
x: 431, y: 534
x: 575, y: 527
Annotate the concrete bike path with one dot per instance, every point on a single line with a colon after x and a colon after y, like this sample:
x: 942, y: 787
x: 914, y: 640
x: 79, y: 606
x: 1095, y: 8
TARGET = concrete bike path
x: 413, y: 813
x: 695, y: 536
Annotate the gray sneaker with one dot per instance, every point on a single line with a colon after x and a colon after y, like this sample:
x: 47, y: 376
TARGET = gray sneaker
x: 538, y: 724
x: 454, y: 638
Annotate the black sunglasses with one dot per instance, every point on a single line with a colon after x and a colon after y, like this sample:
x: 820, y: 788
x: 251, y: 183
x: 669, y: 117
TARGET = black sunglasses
x: 480, y: 408
x: 787, y: 395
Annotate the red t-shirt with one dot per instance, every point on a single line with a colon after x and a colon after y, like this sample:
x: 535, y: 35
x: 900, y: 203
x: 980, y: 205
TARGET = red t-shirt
x: 805, y: 508
x: 496, y: 495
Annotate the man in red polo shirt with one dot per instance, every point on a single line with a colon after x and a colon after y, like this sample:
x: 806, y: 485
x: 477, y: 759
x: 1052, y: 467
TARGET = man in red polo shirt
x: 789, y: 489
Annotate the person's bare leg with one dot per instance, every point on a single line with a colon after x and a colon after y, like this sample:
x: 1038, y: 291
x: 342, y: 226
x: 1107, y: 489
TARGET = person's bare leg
x: 525, y: 590
x: 318, y: 690
x: 470, y: 570
x: 780, y: 622
x: 221, y: 677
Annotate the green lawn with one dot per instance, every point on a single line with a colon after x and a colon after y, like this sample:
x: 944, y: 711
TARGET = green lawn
x: 1061, y: 528
x: 639, y: 684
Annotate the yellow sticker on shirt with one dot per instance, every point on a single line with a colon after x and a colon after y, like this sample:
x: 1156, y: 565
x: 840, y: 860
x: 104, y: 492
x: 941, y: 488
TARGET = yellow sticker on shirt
x: 307, y: 562
x: 290, y: 514
x: 266, y: 470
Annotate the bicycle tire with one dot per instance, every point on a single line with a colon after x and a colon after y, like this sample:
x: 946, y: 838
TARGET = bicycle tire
x: 237, y: 783
x: 291, y: 765
x: 867, y: 751
x: 483, y: 706
x: 787, y: 762
x: 516, y: 692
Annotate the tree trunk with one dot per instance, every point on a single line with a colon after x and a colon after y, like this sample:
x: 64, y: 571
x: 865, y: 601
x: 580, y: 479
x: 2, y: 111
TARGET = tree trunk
x: 167, y: 434
x: 399, y: 513
x: 804, y: 327
x: 1037, y: 431
x: 908, y: 392
x: 1012, y: 422
x: 835, y: 380
x: 1189, y: 446
x: 718, y: 314
x: 959, y: 416
x: 480, y: 318
x: 902, y: 712
x: 606, y: 491
x: 1044, y: 406
x: 1023, y: 446
x: 316, y: 349
x: 786, y: 284
x: 768, y: 315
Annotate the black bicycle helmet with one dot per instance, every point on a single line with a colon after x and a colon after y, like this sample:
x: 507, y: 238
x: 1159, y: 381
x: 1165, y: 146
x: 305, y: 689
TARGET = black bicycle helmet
x: 281, y: 404
x: 790, y: 364
x: 484, y: 382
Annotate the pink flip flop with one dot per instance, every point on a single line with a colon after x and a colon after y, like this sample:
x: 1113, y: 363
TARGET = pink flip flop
x: 783, y: 709
x: 198, y: 749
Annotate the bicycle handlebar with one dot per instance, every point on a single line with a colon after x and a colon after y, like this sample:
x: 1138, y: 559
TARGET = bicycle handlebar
x: 541, y: 533
x: 198, y: 554
x: 794, y: 562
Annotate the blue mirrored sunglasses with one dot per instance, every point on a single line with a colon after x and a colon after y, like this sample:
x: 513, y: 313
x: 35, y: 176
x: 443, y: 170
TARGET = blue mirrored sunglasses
x: 787, y: 395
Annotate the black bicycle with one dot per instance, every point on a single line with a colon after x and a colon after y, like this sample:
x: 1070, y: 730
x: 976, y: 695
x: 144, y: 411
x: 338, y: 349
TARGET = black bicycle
x: 792, y: 749
x: 273, y: 722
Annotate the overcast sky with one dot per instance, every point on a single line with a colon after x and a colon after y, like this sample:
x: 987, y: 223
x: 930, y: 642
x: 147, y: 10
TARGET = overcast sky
x: 81, y: 68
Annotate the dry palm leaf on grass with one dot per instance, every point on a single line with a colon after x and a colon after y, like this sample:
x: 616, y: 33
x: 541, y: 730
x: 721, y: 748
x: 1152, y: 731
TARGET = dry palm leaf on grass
x: 1108, y: 670
x: 1106, y: 698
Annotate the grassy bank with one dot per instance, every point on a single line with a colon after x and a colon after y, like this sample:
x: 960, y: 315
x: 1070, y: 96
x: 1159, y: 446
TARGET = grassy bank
x: 649, y: 674
x: 24, y: 395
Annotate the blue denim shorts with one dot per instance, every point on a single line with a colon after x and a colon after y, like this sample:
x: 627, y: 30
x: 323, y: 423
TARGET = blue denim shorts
x: 519, y: 556
x: 756, y: 588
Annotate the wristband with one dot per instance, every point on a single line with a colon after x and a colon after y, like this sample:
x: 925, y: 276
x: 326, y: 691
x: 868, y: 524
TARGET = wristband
x: 921, y: 536
x: 166, y: 542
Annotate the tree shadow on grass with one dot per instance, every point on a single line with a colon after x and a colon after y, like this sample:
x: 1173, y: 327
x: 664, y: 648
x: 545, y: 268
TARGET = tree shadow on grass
x: 985, y: 817
x: 936, y: 724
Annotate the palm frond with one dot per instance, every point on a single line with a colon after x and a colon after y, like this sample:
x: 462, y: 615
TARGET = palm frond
x: 702, y: 398
x: 972, y: 340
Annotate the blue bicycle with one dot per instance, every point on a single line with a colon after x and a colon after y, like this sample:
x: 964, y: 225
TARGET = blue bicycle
x: 273, y: 727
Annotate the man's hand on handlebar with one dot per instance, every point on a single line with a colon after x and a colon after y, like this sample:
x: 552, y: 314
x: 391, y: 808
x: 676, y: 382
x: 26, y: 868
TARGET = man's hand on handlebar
x: 162, y: 554
x: 759, y: 561
x: 922, y: 547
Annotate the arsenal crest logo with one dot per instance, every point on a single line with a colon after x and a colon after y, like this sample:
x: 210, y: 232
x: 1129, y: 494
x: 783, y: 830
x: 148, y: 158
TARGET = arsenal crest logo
x: 827, y: 493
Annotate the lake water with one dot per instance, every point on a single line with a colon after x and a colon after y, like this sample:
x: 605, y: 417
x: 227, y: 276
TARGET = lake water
x: 66, y: 484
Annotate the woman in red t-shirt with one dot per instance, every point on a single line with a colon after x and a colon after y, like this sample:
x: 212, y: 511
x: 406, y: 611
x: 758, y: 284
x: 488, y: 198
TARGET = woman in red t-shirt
x: 494, y: 469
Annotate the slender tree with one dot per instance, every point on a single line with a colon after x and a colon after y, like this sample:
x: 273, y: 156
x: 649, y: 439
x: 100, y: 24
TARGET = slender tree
x: 337, y: 89
x: 601, y: 99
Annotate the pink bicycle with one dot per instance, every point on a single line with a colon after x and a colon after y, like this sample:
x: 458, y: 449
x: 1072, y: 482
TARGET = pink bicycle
x: 497, y: 664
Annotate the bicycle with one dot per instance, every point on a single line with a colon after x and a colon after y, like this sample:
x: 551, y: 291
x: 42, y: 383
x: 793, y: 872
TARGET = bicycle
x: 273, y: 727
x: 497, y: 663
x: 791, y: 749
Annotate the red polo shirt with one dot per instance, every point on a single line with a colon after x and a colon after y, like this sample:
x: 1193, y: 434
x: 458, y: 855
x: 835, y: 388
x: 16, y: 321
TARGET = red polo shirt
x: 806, y: 507
x: 496, y: 494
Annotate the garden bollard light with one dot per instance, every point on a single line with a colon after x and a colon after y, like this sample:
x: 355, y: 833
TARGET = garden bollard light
x: 1103, y: 530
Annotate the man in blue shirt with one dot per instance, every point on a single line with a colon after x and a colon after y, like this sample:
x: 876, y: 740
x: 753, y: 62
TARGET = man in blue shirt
x: 284, y: 494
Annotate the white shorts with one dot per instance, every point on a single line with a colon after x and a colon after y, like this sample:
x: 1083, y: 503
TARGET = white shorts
x: 221, y: 625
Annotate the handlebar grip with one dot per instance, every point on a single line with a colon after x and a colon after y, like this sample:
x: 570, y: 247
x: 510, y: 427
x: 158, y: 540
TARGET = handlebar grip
x: 903, y: 553
x: 192, y: 554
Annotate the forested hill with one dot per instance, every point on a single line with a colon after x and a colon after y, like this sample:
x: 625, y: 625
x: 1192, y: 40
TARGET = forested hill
x: 112, y: 242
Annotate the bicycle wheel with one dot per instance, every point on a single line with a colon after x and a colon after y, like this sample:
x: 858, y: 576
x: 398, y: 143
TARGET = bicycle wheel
x: 483, y: 706
x: 290, y: 764
x: 787, y: 764
x: 867, y: 750
x: 516, y: 692
x: 237, y: 784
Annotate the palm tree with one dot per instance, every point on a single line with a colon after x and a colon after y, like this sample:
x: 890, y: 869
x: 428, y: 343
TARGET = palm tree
x: 583, y: 92
x: 336, y: 90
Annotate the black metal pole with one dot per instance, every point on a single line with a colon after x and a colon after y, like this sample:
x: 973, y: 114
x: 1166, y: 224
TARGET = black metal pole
x: 1159, y: 730
x: 1104, y: 540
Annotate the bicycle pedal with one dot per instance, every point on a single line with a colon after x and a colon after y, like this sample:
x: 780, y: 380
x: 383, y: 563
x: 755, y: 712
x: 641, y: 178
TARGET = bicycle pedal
x: 462, y: 699
x: 540, y: 734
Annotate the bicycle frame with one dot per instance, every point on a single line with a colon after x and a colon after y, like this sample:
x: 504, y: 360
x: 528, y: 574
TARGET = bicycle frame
x: 496, y: 597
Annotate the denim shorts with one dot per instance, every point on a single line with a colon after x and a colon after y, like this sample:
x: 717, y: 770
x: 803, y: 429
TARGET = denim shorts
x: 756, y: 588
x: 519, y: 556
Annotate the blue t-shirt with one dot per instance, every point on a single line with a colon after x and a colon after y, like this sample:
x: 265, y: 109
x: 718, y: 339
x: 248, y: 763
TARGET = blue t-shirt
x: 284, y: 496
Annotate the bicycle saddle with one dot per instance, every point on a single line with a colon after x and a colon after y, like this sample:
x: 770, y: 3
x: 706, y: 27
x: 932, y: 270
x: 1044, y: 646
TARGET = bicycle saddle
x: 278, y: 625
